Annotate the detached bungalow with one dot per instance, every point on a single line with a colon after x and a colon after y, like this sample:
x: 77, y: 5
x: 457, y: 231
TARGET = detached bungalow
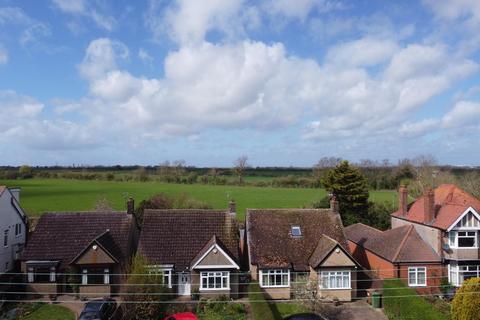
x: 196, y: 250
x: 291, y: 249
x: 94, y: 246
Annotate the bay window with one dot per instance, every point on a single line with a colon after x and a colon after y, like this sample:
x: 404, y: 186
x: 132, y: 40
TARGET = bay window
x: 335, y: 279
x: 274, y: 278
x: 417, y: 276
x: 459, y: 273
x: 214, y: 280
x: 463, y: 239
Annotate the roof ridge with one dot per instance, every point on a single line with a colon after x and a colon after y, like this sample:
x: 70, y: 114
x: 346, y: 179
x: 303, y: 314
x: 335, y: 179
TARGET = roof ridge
x: 402, y: 243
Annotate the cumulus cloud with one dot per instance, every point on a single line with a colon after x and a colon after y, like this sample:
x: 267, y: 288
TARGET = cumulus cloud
x: 300, y: 9
x: 33, y: 30
x: 82, y: 8
x: 463, y: 114
x: 362, y: 52
x: 455, y: 9
x: 189, y: 21
x: 23, y: 121
x: 101, y: 56
x: 145, y: 56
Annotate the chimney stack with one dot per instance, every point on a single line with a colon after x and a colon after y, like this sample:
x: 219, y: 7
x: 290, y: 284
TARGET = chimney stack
x: 334, y: 206
x: 429, y: 206
x: 232, y: 207
x: 130, y: 206
x: 402, y: 200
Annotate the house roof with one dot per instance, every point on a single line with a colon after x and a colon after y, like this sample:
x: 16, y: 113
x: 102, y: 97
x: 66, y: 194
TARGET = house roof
x: 402, y: 244
x: 63, y: 236
x: 450, y: 203
x: 272, y: 246
x: 179, y: 236
x: 106, y: 242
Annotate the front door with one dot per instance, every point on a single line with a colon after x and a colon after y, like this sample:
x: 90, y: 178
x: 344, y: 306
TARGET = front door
x: 184, y: 284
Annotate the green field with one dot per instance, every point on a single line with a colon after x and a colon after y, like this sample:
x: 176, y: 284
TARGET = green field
x: 42, y: 195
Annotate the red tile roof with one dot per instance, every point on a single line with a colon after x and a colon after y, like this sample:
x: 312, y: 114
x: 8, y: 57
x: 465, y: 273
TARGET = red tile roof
x: 402, y: 244
x: 450, y: 203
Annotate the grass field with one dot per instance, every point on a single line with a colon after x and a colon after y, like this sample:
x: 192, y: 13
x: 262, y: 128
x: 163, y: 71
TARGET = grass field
x: 41, y: 195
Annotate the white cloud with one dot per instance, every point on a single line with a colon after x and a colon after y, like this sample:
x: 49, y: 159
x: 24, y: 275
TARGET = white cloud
x: 419, y: 128
x: 33, y: 30
x: 101, y: 56
x: 188, y: 22
x: 82, y: 8
x: 145, y: 56
x: 362, y: 52
x: 463, y: 114
x: 455, y: 9
x: 300, y: 9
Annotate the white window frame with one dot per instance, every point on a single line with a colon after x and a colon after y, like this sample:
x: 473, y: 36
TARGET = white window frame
x: 274, y: 272
x: 224, y: 280
x: 5, y: 238
x: 299, y: 231
x: 166, y: 274
x: 18, y: 230
x: 84, y: 276
x: 416, y: 271
x: 106, y: 276
x: 52, y: 275
x: 325, y: 277
x: 30, y: 274
x: 474, y: 236
x: 455, y: 271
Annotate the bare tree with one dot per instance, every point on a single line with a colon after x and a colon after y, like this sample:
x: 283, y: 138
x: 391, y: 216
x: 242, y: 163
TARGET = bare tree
x: 239, y: 167
x: 470, y: 182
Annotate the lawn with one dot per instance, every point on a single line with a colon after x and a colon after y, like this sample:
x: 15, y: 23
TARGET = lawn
x: 284, y: 309
x: 401, y: 303
x: 41, y: 195
x: 50, y: 312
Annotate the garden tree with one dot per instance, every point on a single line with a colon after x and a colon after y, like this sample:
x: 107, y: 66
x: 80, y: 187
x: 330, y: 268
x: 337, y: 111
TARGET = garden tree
x: 141, y: 174
x: 466, y: 303
x: 144, y: 286
x: 470, y: 182
x: 164, y: 201
x: 25, y: 172
x: 350, y: 188
x: 239, y: 167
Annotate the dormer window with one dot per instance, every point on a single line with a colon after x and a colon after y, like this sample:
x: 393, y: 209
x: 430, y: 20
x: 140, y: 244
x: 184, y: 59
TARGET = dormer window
x: 296, y: 231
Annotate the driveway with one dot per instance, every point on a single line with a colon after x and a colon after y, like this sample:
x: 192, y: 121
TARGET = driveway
x: 358, y: 310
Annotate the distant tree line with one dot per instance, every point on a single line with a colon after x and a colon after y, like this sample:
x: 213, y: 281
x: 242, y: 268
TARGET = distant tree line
x: 418, y: 172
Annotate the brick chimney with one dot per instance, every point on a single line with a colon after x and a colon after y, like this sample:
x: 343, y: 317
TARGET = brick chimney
x: 334, y: 206
x: 232, y: 207
x: 130, y: 206
x: 429, y: 206
x: 402, y: 200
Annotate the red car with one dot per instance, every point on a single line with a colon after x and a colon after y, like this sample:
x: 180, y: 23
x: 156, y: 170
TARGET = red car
x: 182, y: 316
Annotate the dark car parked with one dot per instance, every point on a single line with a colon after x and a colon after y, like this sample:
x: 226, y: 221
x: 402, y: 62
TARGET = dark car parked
x: 101, y: 309
x: 305, y: 316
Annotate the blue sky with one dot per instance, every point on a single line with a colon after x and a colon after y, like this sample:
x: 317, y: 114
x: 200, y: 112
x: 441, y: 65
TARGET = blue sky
x: 283, y: 82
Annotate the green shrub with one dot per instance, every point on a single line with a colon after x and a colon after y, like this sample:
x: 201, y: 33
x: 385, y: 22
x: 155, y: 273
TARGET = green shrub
x: 261, y: 309
x: 401, y: 303
x: 220, y: 309
x: 466, y: 303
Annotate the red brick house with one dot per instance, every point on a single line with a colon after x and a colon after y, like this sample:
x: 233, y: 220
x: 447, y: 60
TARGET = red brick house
x: 396, y: 253
x: 447, y: 219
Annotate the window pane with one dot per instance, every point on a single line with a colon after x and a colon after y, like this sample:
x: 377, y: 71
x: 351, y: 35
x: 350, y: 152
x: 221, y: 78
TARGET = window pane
x: 411, y: 277
x: 466, y: 242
